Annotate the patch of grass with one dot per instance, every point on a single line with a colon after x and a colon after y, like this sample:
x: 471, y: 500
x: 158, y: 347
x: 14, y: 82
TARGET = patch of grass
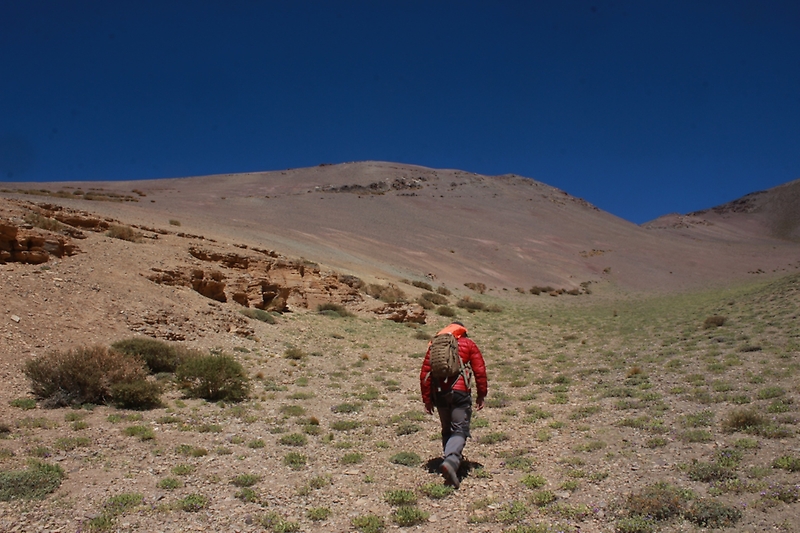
x: 493, y: 438
x: 318, y: 514
x: 712, y: 514
x: 169, y: 483
x: 125, y: 233
x: 369, y: 523
x: 345, y: 425
x: 294, y: 439
x: 140, y: 432
x: 436, y: 491
x: 295, y: 460
x: 334, y: 310
x: 696, y: 435
x: 533, y: 481
x: 277, y: 523
x: 351, y: 458
x: 258, y: 314
x: 245, y: 480
x: 347, y: 408
x: 409, y: 515
x: 182, y: 469
x: 405, y: 459
x: 33, y: 483
x: 23, y: 403
x: 193, y: 503
x: 660, y: 501
x: 787, y: 462
x: 400, y: 497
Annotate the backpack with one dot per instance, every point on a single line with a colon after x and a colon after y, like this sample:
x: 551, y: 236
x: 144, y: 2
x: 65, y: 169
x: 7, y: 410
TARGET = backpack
x: 445, y: 361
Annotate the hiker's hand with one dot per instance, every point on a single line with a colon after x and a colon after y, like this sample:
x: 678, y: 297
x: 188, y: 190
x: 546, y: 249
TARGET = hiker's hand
x: 429, y: 408
x: 479, y: 404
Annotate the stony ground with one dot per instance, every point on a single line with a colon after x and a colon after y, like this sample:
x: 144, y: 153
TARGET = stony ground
x: 593, y: 399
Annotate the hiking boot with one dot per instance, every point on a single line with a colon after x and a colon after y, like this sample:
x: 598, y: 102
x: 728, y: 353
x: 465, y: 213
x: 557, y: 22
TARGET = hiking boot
x: 450, y: 473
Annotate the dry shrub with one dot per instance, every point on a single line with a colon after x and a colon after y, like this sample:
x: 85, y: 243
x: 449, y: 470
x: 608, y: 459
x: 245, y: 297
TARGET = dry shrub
x: 386, y: 293
x: 422, y: 285
x: 470, y: 305
x: 82, y: 375
x: 126, y: 233
x: 436, y: 299
x: 140, y: 394
x: 714, y: 321
x: 743, y: 420
x: 445, y: 311
x: 444, y: 291
x: 333, y: 309
x: 477, y: 287
x: 537, y: 290
x: 660, y: 501
x: 425, y: 304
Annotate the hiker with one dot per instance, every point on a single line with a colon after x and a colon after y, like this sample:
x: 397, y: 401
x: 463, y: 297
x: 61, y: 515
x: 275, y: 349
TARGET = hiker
x: 451, y: 396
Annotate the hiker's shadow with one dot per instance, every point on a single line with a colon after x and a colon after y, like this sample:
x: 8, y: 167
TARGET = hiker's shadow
x: 434, y: 466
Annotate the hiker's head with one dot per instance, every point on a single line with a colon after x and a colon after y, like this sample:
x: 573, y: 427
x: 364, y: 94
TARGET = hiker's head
x: 458, y: 323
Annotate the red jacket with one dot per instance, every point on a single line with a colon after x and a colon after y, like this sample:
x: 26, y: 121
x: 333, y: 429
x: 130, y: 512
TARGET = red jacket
x: 470, y: 354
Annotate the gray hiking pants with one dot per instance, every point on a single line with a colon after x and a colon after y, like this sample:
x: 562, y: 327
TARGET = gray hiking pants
x: 455, y: 412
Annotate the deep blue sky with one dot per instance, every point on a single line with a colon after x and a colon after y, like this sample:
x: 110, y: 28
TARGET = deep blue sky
x: 641, y: 107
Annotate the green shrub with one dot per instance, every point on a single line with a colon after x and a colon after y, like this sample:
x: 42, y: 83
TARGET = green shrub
x: 659, y: 501
x: 193, y: 503
x: 635, y: 524
x: 436, y: 491
x: 169, y: 483
x: 422, y: 285
x: 294, y: 439
x: 258, y: 314
x: 400, y: 497
x: 409, y: 515
x: 159, y: 356
x: 122, y: 503
x: 140, y: 394
x: 493, y: 438
x: 318, y: 514
x: 214, y: 378
x: 334, y: 310
x: 787, y: 462
x: 34, y: 483
x: 81, y: 376
x: 141, y: 432
x: 542, y: 497
x: 245, y: 480
x: 444, y: 310
x: 23, y: 403
x: 712, y: 514
x: 345, y: 425
x: 702, y: 471
x: 246, y: 494
x: 347, y: 408
x: 369, y: 523
x: 351, y: 458
x: 295, y: 460
x: 405, y: 459
x: 534, y: 481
